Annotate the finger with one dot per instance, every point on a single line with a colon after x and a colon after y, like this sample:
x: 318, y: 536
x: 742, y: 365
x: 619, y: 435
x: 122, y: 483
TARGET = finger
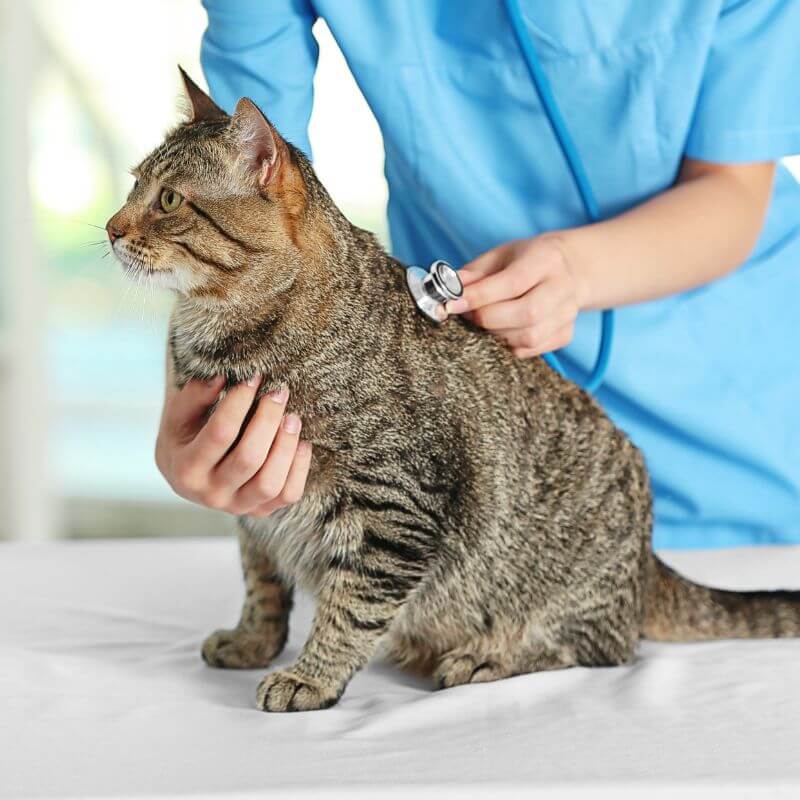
x: 185, y: 408
x: 509, y: 315
x: 507, y: 284
x: 295, y: 482
x: 536, y: 306
x: 535, y: 333
x: 265, y: 509
x: 485, y: 264
x: 250, y: 452
x: 534, y: 338
x: 267, y: 484
x: 560, y: 338
x: 539, y: 334
x: 521, y: 338
x: 223, y: 426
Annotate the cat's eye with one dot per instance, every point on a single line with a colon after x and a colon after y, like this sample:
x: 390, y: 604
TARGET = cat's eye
x: 170, y: 200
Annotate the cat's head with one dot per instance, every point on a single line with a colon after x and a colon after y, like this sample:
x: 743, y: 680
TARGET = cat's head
x: 218, y: 205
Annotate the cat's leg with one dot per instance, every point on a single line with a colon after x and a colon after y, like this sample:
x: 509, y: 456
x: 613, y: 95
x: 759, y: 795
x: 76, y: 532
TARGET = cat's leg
x: 264, y: 624
x: 494, y: 658
x: 596, y: 639
x: 357, y: 603
x: 599, y: 628
x: 468, y: 665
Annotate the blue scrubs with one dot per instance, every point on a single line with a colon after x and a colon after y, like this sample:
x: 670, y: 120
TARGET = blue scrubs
x: 707, y: 382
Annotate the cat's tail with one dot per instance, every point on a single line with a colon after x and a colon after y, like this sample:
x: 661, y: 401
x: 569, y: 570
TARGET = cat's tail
x: 677, y: 610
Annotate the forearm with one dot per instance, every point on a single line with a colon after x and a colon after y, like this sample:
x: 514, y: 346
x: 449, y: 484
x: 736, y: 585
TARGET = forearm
x: 697, y: 231
x: 265, y: 51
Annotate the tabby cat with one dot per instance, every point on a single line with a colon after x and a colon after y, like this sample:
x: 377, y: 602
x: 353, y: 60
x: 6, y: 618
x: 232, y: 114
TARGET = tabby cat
x: 473, y: 515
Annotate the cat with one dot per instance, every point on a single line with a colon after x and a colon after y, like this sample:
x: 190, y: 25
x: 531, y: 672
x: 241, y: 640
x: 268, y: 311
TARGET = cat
x: 472, y: 515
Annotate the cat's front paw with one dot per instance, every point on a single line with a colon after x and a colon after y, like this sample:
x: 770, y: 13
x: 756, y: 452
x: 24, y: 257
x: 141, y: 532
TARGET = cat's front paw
x: 241, y: 648
x: 285, y: 691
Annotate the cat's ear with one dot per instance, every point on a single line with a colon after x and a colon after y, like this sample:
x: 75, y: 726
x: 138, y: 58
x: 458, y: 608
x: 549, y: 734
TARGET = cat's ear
x: 258, y: 141
x: 203, y: 107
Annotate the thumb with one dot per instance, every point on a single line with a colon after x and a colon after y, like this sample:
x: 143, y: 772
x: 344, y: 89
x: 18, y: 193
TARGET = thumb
x: 185, y: 408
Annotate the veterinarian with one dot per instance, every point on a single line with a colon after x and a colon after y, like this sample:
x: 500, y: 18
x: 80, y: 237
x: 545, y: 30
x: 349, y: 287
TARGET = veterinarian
x: 680, y: 111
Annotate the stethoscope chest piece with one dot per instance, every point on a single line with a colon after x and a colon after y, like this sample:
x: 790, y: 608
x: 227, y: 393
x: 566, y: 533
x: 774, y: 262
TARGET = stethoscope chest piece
x: 431, y: 289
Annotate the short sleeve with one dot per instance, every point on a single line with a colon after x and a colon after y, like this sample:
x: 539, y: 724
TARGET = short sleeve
x: 748, y: 108
x: 264, y: 50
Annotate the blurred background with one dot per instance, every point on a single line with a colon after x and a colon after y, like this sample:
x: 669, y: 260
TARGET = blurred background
x: 88, y: 87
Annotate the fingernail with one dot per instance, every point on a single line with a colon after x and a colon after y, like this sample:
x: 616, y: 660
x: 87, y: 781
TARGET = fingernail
x: 254, y: 380
x: 279, y: 395
x: 291, y: 423
x: 457, y: 306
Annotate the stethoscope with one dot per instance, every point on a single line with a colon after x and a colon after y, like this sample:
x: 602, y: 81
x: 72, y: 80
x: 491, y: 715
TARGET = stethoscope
x: 432, y: 288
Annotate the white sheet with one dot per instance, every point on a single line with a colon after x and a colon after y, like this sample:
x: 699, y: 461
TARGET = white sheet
x: 103, y: 694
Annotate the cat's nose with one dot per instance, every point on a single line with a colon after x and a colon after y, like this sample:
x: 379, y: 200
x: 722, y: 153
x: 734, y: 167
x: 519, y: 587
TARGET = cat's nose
x: 114, y: 232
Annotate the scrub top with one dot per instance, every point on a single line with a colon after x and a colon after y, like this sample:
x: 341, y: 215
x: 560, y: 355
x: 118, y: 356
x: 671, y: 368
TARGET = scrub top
x: 706, y: 382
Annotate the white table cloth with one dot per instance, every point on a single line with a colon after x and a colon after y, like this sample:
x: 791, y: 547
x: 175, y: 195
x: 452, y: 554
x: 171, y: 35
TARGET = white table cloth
x: 103, y: 694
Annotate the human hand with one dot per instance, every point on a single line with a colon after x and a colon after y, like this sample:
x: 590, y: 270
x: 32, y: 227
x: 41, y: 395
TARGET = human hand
x: 525, y: 292
x: 265, y: 471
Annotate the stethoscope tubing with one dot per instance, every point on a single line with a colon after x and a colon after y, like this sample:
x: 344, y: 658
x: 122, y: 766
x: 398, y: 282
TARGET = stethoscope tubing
x: 576, y: 167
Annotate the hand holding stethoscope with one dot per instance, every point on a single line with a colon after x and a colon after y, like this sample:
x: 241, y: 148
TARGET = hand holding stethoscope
x: 524, y: 290
x: 525, y: 293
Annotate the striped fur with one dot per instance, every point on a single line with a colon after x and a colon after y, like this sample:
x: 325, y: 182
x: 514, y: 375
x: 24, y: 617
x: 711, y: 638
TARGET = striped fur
x: 473, y: 515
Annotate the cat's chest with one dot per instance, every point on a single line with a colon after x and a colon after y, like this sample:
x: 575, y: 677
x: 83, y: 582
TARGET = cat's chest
x: 204, y: 344
x: 300, y: 539
x: 195, y: 356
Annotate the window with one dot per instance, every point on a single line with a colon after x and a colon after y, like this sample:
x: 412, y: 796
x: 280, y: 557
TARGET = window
x: 97, y: 101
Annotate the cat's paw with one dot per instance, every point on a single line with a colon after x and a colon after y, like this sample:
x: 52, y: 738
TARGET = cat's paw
x: 241, y: 648
x: 457, y: 669
x: 285, y: 691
